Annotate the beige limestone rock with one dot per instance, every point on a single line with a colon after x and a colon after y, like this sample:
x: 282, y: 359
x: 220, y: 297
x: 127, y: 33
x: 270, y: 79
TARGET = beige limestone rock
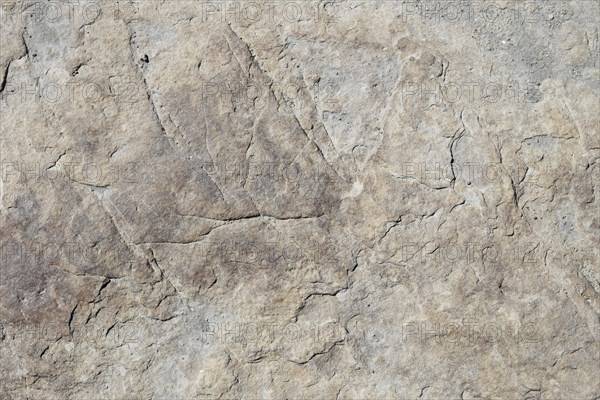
x: 299, y: 199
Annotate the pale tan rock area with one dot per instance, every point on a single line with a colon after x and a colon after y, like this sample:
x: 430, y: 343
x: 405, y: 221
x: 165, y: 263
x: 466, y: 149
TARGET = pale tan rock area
x: 300, y: 200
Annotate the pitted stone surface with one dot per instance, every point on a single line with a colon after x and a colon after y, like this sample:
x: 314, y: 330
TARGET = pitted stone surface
x: 300, y: 199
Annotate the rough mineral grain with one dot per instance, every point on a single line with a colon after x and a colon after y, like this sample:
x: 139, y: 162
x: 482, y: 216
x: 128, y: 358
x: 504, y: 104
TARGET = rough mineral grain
x: 300, y: 199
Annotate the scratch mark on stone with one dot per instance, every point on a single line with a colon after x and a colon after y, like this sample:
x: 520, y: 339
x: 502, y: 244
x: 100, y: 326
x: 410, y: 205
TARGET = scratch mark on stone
x: 5, y: 77
x: 147, y: 87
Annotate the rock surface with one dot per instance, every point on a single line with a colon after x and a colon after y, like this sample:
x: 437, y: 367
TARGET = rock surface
x: 300, y: 199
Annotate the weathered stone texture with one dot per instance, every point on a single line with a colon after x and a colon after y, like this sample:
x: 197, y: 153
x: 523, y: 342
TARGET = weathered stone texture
x: 300, y: 200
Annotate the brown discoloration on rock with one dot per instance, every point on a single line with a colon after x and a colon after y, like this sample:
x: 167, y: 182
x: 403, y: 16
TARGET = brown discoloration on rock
x: 361, y: 201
